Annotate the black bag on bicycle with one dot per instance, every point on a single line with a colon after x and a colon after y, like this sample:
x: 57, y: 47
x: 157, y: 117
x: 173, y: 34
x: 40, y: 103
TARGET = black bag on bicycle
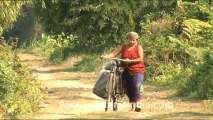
x: 100, y: 88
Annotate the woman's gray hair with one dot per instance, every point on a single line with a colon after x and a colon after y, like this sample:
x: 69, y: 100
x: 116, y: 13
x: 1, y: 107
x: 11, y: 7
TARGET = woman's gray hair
x: 131, y: 34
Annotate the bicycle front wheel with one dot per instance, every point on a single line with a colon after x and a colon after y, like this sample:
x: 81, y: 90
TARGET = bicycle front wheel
x: 109, y: 90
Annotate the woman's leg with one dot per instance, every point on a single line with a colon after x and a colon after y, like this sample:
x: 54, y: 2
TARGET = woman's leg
x: 138, y: 79
x: 133, y: 106
x: 132, y: 85
x: 128, y: 85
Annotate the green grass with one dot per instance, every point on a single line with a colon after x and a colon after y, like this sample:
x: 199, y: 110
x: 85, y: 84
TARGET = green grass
x: 87, y: 64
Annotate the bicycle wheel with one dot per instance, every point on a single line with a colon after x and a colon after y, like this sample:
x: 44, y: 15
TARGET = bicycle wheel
x: 121, y: 87
x: 115, y: 95
x: 116, y: 92
x: 109, y: 90
x: 115, y: 104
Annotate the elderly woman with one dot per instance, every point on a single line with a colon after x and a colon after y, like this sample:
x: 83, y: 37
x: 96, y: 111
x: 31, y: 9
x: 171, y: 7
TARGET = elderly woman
x: 134, y: 67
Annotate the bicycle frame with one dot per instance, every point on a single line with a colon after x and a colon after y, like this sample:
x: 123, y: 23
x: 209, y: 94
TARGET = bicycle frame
x: 115, y: 90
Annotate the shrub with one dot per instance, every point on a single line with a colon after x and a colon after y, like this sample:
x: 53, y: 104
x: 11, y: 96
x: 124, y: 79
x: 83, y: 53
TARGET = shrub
x: 20, y: 93
x: 56, y: 56
x: 201, y: 81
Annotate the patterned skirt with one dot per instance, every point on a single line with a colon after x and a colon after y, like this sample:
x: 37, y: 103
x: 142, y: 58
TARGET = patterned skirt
x: 132, y: 83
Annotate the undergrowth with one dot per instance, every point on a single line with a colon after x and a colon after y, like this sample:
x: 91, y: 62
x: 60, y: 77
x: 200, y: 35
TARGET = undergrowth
x: 20, y: 93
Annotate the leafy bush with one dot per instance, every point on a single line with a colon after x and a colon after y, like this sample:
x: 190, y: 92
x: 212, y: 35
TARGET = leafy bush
x: 46, y: 44
x: 201, y: 81
x: 191, y: 30
x: 42, y: 45
x: 69, y: 46
x: 9, y: 12
x: 173, y: 56
x: 196, y: 10
x: 56, y: 56
x: 20, y: 92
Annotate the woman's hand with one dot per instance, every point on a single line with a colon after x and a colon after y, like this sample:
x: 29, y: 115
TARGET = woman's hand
x: 128, y: 60
x: 103, y: 57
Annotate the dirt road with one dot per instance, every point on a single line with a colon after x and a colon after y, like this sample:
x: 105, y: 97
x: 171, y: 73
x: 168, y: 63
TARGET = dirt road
x: 69, y: 95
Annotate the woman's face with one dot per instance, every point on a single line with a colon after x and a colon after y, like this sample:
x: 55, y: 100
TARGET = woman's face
x: 132, y: 40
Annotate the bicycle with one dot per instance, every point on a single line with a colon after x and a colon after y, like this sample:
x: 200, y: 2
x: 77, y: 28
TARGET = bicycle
x: 115, y: 89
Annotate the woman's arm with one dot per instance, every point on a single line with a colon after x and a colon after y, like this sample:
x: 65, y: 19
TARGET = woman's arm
x: 114, y: 53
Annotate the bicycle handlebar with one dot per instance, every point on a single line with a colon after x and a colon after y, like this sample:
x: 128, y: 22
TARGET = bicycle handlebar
x: 119, y: 59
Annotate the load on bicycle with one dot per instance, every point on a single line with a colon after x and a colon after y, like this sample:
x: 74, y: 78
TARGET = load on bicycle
x: 127, y: 76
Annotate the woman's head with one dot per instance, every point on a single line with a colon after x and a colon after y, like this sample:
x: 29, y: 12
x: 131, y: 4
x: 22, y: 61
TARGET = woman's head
x: 132, y: 37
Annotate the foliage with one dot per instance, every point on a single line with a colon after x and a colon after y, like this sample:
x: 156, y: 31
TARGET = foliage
x: 171, y: 56
x: 164, y: 23
x: 25, y: 26
x: 87, y: 64
x: 192, y: 28
x: 56, y: 56
x: 106, y: 21
x: 194, y: 10
x: 165, y: 58
x: 211, y: 20
x: 201, y: 81
x: 43, y: 44
x: 56, y: 47
x: 8, y: 13
x: 20, y: 92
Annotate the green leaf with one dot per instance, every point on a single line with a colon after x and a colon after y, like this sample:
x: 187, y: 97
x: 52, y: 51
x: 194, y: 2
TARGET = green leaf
x: 211, y: 21
x: 211, y: 57
x: 43, y: 5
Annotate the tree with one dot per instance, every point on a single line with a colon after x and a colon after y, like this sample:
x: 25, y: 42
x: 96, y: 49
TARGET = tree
x: 24, y: 27
x: 97, y: 23
x: 9, y: 11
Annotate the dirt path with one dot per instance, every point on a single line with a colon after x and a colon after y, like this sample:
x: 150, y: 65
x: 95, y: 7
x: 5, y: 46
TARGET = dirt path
x: 69, y: 95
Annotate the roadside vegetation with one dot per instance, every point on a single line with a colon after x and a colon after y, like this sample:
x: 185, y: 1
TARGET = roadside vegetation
x: 20, y: 94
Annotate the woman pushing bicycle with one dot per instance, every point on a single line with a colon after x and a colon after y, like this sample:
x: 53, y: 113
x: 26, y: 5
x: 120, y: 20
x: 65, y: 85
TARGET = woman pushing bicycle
x: 134, y: 68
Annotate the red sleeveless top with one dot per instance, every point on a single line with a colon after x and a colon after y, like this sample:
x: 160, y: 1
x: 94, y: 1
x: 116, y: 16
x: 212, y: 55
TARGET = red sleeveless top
x: 132, y: 54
